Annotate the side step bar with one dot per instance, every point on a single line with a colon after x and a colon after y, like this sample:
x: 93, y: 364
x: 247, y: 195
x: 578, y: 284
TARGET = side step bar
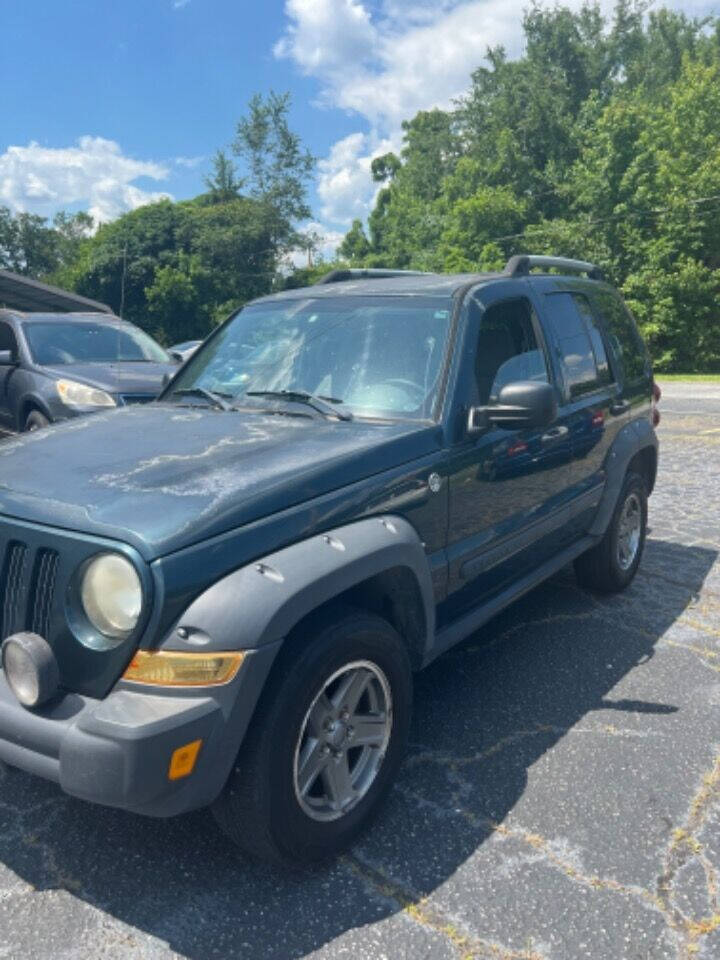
x: 464, y: 627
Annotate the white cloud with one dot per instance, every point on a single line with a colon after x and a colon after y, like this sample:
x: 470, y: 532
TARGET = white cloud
x: 327, y: 243
x: 189, y: 163
x: 326, y: 37
x: 179, y: 4
x: 94, y: 172
x: 409, y: 56
x: 345, y: 185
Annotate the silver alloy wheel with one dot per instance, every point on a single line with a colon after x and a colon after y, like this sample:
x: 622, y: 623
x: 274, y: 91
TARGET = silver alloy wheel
x: 343, y: 740
x: 629, y: 530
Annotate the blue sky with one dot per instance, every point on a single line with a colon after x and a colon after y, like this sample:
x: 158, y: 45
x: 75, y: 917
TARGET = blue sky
x: 106, y: 105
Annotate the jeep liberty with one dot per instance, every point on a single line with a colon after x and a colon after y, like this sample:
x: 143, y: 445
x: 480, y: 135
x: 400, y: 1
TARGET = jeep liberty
x: 219, y: 599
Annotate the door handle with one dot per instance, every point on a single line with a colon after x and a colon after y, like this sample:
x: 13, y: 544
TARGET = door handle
x: 554, y: 433
x: 619, y: 407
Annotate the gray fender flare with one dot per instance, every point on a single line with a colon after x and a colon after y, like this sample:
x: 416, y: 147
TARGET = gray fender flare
x: 634, y: 437
x: 260, y: 603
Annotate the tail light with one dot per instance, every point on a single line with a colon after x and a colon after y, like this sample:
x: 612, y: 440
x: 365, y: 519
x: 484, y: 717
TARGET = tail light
x: 656, y: 394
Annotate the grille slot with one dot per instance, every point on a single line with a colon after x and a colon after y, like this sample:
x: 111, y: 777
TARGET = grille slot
x: 42, y: 591
x: 11, y: 586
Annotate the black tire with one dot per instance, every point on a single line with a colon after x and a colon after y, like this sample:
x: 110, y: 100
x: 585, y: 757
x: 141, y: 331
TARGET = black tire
x: 35, y: 421
x: 601, y: 568
x: 259, y: 808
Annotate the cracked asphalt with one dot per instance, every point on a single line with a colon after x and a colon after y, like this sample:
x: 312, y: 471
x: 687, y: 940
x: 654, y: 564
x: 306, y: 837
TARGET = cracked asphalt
x: 561, y: 798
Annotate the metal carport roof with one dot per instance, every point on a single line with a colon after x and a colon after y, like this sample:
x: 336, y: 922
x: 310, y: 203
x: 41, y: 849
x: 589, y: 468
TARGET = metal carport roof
x: 22, y: 293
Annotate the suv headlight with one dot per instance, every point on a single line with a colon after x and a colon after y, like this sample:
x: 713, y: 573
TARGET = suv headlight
x: 111, y: 595
x: 81, y: 395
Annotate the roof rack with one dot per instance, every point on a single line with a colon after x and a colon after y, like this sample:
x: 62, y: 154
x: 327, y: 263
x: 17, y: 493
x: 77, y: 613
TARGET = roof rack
x: 361, y: 273
x: 520, y: 266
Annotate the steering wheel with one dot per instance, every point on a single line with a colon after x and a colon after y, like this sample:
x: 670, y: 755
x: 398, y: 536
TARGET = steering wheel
x: 408, y: 385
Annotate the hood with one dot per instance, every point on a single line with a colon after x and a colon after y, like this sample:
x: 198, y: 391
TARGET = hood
x: 117, y: 378
x: 162, y: 477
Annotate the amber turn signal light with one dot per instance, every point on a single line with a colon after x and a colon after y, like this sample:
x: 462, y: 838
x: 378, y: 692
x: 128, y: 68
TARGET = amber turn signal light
x: 182, y: 762
x: 166, y: 668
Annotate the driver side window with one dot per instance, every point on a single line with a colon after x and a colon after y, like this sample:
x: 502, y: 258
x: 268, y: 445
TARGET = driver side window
x: 508, y: 349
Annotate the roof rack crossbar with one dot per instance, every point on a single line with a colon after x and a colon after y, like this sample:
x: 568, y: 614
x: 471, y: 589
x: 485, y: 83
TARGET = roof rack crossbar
x: 521, y: 265
x: 362, y: 273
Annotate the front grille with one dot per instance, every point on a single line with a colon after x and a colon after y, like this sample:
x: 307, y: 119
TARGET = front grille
x: 27, y: 589
x: 12, y: 587
x: 131, y: 398
x: 42, y: 591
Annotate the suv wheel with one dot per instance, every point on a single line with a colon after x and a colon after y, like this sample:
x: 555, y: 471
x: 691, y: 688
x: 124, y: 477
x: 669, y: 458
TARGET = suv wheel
x: 612, y: 564
x: 35, y: 421
x: 325, y: 744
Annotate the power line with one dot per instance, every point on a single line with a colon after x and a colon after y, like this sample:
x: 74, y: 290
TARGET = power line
x: 658, y: 211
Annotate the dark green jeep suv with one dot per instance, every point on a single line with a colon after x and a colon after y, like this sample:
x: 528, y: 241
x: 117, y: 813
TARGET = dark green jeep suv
x: 219, y: 599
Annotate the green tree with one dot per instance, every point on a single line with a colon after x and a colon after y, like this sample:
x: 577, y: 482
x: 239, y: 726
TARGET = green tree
x: 27, y: 244
x: 177, y: 268
x: 223, y: 185
x: 278, y: 167
x: 355, y: 246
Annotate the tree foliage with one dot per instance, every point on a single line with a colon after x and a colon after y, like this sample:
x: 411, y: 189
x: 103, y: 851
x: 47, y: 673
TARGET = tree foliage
x: 29, y: 246
x: 278, y: 166
x: 601, y: 142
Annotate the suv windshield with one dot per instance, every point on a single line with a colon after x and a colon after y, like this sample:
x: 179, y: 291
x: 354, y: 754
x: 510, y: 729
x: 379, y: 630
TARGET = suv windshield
x: 380, y: 356
x: 57, y: 343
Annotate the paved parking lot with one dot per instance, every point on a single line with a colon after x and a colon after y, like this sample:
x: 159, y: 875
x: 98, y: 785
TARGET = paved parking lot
x: 561, y: 798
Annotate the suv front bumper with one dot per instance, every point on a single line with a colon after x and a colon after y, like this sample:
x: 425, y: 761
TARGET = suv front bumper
x: 117, y: 751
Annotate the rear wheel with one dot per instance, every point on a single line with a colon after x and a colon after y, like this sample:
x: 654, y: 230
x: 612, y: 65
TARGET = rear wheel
x: 612, y: 564
x: 325, y: 744
x: 36, y: 421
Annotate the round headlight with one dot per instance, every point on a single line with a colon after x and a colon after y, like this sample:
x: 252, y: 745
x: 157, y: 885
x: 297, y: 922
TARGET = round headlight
x: 111, y: 595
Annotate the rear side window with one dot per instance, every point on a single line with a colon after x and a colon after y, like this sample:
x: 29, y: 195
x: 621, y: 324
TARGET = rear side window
x: 626, y: 342
x: 579, y: 343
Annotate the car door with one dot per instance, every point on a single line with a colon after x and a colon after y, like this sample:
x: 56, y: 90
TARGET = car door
x: 589, y: 391
x: 507, y: 487
x: 8, y: 341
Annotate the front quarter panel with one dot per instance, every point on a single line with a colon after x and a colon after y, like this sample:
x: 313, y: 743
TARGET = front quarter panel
x: 260, y: 603
x: 33, y: 390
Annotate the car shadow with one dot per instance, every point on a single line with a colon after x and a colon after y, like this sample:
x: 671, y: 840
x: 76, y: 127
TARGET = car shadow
x: 496, y: 704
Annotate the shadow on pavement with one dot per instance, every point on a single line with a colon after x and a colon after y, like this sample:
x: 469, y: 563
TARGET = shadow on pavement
x: 496, y: 704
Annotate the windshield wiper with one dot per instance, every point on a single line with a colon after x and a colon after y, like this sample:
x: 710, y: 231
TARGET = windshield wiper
x: 323, y: 405
x: 216, y: 399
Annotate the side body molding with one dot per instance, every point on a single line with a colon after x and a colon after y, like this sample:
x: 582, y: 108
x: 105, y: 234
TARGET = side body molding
x: 260, y: 603
x: 634, y: 437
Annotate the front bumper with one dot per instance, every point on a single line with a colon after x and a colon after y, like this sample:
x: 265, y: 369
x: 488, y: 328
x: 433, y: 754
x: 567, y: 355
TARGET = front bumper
x: 117, y: 751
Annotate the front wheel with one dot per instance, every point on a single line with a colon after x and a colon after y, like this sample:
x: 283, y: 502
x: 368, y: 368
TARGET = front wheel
x: 325, y: 744
x: 612, y: 564
x: 36, y: 421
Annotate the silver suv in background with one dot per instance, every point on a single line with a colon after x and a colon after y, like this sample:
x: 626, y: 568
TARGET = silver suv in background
x: 54, y: 366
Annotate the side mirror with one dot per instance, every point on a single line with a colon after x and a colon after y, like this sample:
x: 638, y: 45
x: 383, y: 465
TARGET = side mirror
x: 7, y: 359
x: 521, y: 405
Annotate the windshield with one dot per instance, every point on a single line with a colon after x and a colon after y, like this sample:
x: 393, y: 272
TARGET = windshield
x: 57, y: 343
x: 381, y: 356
